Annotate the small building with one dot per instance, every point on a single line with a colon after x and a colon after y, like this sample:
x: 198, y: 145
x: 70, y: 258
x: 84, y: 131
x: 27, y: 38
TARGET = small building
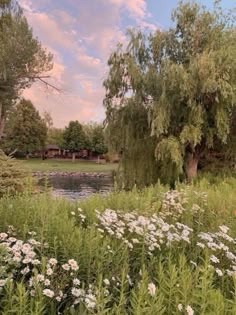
x: 52, y: 151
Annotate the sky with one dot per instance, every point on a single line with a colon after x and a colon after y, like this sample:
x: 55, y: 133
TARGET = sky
x: 81, y: 34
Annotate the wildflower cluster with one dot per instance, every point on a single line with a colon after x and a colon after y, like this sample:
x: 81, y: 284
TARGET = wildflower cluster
x: 173, y: 204
x: 221, y: 247
x: 134, y: 229
x: 188, y: 309
x: 22, y: 261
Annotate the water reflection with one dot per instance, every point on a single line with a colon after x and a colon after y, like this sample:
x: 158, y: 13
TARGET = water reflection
x: 73, y: 187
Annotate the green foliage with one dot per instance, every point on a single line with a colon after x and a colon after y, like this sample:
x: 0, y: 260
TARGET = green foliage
x: 48, y: 120
x: 22, y: 57
x: 181, y: 82
x: 128, y: 133
x: 74, y: 136
x: 13, y: 177
x: 55, y: 136
x: 98, y: 141
x: 95, y: 138
x: 26, y: 130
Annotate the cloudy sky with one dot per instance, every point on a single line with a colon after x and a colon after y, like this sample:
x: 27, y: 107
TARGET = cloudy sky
x: 81, y: 34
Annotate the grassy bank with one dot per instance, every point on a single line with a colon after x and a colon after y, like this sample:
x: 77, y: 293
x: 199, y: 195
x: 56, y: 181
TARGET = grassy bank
x: 149, y: 252
x: 67, y: 166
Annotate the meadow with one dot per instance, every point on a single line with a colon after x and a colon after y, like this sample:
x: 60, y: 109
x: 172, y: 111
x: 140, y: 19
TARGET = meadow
x: 153, y: 251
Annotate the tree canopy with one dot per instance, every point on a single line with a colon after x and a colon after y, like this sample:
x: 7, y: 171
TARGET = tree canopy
x: 95, y: 138
x: 22, y: 57
x: 74, y: 136
x: 26, y: 130
x: 55, y: 136
x: 170, y: 95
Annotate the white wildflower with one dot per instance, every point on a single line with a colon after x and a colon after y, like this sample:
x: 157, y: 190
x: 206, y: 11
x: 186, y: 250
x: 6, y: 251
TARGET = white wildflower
x: 36, y: 262
x: 180, y: 307
x: 26, y: 248
x: 106, y: 281
x: 48, y: 293
x: 200, y: 245
x: 189, y: 310
x: 219, y: 272
x: 26, y: 261
x: 32, y: 292
x: 49, y: 271
x: 77, y: 292
x: 90, y: 301
x: 73, y: 264
x: 151, y: 289
x: 66, y: 267
x: 224, y: 229
x: 31, y: 254
x: 3, y: 236
x: 25, y: 270
x: 214, y: 259
x: 52, y: 261
x: 47, y: 282
x: 76, y: 282
x: 40, y: 278
x: 2, y: 282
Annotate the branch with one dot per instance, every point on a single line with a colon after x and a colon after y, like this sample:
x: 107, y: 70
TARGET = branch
x: 41, y: 78
x: 48, y: 84
x: 13, y: 152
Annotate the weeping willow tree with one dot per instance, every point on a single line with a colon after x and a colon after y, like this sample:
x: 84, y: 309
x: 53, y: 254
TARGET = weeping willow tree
x: 170, y: 95
x: 129, y: 134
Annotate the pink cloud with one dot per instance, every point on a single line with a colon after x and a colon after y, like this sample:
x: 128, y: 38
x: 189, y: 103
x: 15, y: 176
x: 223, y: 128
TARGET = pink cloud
x: 136, y: 8
x: 81, y: 40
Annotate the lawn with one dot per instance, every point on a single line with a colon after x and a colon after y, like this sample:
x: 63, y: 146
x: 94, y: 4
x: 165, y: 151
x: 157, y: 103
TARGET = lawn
x: 68, y: 166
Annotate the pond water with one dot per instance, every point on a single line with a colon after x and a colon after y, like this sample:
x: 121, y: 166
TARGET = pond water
x: 75, y: 187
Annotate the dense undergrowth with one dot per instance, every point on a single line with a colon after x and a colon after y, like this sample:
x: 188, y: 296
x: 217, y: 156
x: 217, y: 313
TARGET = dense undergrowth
x: 153, y: 251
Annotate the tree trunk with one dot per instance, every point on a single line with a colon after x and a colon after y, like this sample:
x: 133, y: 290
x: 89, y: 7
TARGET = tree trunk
x: 2, y: 122
x: 27, y: 156
x: 73, y: 157
x: 191, y: 166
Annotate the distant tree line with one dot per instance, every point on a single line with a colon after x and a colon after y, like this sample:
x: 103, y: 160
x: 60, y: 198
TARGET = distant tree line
x: 26, y: 132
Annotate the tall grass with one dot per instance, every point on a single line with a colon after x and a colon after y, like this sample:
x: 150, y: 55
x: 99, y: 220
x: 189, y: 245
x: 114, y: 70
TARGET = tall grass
x: 182, y: 274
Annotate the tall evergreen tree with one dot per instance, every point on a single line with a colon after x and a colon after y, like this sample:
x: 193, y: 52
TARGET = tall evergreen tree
x: 26, y: 130
x: 171, y: 95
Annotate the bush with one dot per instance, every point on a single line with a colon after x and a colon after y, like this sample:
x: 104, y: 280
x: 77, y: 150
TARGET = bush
x: 13, y: 177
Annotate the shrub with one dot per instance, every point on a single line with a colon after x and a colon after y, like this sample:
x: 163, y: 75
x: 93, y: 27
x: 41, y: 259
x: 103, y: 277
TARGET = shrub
x: 13, y: 177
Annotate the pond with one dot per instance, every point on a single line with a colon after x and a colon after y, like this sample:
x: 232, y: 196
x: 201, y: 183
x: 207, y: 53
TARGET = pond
x: 76, y: 187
